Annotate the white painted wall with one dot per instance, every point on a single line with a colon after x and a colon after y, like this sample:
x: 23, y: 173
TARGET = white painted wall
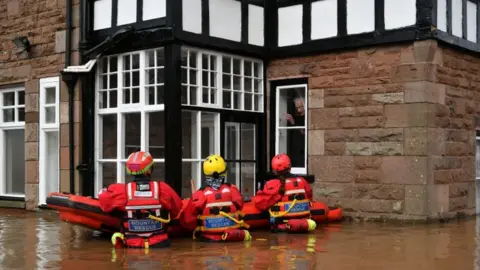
x: 127, y: 12
x: 256, y: 32
x: 472, y: 21
x: 192, y: 16
x: 457, y: 18
x: 400, y: 13
x: 102, y: 14
x: 226, y: 19
x: 360, y: 16
x: 154, y: 9
x: 442, y: 15
x: 290, y: 25
x: 324, y: 19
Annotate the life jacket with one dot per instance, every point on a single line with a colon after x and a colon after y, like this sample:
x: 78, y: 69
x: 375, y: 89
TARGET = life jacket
x: 144, y: 215
x: 220, y: 213
x: 294, y: 203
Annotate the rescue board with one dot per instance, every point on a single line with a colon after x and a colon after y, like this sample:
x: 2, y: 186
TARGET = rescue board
x: 86, y: 211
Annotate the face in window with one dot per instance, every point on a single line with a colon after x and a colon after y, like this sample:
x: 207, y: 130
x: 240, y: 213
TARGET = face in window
x: 299, y: 107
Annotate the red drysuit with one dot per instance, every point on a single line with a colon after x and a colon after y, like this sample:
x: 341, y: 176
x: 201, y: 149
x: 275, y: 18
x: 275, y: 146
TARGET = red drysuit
x: 206, y: 212
x: 278, y: 198
x: 148, y: 205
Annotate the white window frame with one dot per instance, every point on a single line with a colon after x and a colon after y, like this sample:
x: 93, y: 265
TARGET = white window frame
x: 44, y: 129
x: 215, y: 128
x: 219, y: 80
x: 294, y: 170
x: 237, y: 126
x: 4, y: 127
x: 143, y: 108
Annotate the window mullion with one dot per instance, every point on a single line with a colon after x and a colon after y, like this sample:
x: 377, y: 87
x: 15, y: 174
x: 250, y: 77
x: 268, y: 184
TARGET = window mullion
x: 199, y: 79
x: 119, y: 81
x: 242, y: 85
x: 120, y: 144
x: 219, y: 89
x: 144, y: 132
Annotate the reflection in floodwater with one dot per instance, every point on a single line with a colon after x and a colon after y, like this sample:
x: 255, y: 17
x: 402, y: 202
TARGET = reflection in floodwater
x: 41, y: 241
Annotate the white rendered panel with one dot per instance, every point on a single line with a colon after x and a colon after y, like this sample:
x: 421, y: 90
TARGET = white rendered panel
x: 324, y: 19
x: 360, y: 16
x: 102, y: 14
x: 127, y: 12
x: 290, y: 25
x: 154, y: 9
x: 471, y: 21
x: 400, y: 13
x: 192, y: 16
x: 226, y: 19
x: 256, y: 32
x: 457, y: 18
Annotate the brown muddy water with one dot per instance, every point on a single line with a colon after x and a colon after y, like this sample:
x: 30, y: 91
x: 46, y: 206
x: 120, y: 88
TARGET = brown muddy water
x: 41, y: 241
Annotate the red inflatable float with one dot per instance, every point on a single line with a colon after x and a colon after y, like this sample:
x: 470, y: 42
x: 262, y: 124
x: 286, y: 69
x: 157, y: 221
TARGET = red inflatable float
x: 85, y: 211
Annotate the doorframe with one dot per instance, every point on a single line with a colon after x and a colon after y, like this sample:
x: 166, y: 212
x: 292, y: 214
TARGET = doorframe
x: 260, y: 140
x: 274, y: 111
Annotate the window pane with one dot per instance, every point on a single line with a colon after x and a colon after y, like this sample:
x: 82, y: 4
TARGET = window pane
x: 150, y: 58
x: 227, y: 99
x: 226, y: 65
x: 113, y: 98
x: 193, y: 77
x: 108, y: 174
x: 21, y: 114
x: 50, y: 94
x: 184, y: 97
x: 9, y: 99
x: 160, y: 76
x: 51, y: 161
x: 190, y: 171
x: 109, y: 138
x: 150, y: 76
x: 247, y: 101
x: 193, y: 95
x: 15, y: 161
x: 160, y: 57
x: 189, y: 134
x: 237, y: 102
x: 236, y: 66
x: 291, y: 107
x: 132, y: 133
x: 136, y: 61
x: 193, y: 59
x: 156, y: 134
x: 227, y: 82
x: 158, y: 172
x: 257, y: 103
x: 248, y: 136
x: 8, y: 115
x: 257, y: 71
x: 257, y: 86
x: 232, y: 143
x: 233, y: 173
x: 103, y: 100
x: 21, y: 98
x: 113, y: 81
x: 248, y: 179
x: 113, y: 63
x: 50, y: 115
x: 208, y: 134
x: 247, y: 68
x: 292, y: 142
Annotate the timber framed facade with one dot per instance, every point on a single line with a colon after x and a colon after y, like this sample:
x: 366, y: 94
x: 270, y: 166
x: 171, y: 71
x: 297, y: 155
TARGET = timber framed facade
x: 375, y: 100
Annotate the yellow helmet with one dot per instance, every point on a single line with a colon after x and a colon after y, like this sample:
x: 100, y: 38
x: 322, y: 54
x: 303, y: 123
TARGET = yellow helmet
x: 214, y: 165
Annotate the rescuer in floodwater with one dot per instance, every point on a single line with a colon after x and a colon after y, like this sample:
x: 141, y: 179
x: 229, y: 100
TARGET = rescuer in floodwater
x: 287, y: 199
x: 214, y: 210
x: 148, y: 205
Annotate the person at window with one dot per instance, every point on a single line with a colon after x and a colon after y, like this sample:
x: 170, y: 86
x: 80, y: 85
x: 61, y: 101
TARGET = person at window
x: 213, y: 212
x: 296, y: 137
x: 287, y: 199
x: 147, y: 205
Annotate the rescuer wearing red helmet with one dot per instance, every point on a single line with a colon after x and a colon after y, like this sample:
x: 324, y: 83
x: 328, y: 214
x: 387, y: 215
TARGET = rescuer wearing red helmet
x: 287, y: 199
x: 214, y: 210
x: 148, y: 205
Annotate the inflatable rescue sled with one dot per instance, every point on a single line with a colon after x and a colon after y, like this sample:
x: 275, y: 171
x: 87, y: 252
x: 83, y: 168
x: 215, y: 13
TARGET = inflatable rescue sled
x: 86, y: 211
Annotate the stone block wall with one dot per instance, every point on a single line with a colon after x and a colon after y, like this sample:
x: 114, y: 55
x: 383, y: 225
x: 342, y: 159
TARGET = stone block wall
x: 391, y: 128
x: 43, y: 22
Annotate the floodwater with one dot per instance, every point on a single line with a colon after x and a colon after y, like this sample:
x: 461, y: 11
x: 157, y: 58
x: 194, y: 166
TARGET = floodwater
x: 41, y: 241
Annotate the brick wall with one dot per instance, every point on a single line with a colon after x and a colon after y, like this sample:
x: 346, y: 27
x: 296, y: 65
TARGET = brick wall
x: 391, y: 128
x: 43, y: 22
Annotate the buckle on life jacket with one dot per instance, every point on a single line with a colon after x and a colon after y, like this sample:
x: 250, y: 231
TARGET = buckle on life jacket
x: 216, y: 210
x: 300, y: 196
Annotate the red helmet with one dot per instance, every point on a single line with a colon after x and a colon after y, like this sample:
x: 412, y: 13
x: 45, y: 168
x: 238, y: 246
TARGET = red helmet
x: 140, y: 163
x: 281, y: 163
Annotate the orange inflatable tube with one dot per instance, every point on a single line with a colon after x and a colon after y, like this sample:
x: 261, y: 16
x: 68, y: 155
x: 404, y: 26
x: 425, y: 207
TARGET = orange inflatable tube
x: 86, y: 211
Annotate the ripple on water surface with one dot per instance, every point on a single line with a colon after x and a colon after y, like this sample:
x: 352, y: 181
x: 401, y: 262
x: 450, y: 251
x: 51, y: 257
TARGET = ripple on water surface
x: 41, y: 241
